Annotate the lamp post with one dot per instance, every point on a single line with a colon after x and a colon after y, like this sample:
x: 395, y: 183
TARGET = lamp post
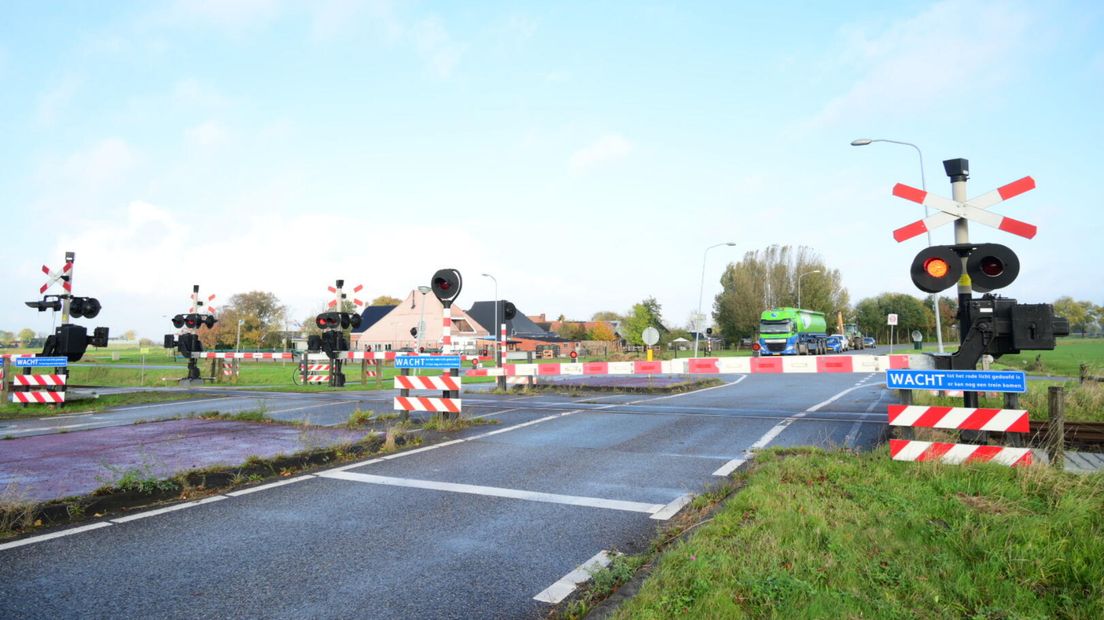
x: 923, y: 186
x: 494, y: 330
x: 807, y: 273
x: 237, y: 345
x: 701, y: 292
x: 421, y: 320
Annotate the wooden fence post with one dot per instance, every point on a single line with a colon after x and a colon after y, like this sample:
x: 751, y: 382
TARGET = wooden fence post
x: 1056, y: 404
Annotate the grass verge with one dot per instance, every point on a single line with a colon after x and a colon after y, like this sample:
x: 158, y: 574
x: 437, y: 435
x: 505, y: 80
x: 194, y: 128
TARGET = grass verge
x: 15, y: 410
x: 834, y: 534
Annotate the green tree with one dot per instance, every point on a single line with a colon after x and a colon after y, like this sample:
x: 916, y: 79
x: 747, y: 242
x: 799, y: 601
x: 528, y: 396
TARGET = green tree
x: 606, y: 315
x: 572, y: 330
x: 26, y: 335
x: 1080, y: 314
x: 6, y: 336
x: 262, y: 321
x: 386, y: 300
x: 912, y: 313
x: 647, y: 313
x: 769, y: 278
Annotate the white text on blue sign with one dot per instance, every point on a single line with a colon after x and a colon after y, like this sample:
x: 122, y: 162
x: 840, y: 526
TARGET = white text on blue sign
x: 965, y: 380
x: 36, y: 362
x: 427, y: 361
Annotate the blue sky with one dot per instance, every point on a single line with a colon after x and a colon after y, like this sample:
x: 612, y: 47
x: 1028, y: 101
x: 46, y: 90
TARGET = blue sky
x: 584, y: 153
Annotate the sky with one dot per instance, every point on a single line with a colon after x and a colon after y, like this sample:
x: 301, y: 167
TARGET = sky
x: 584, y: 154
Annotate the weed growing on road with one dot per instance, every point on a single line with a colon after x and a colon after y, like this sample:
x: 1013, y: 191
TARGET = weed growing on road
x: 139, y: 479
x: 440, y: 423
x: 359, y: 417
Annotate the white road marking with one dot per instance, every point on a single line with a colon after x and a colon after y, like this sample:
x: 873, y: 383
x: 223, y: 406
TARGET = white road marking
x: 731, y: 466
x: 769, y: 436
x: 44, y: 537
x: 182, y: 401
x: 36, y: 429
x: 325, y: 404
x: 672, y: 509
x: 160, y: 511
x: 853, y: 434
x: 472, y: 489
x: 836, y: 397
x: 567, y: 584
x: 272, y: 485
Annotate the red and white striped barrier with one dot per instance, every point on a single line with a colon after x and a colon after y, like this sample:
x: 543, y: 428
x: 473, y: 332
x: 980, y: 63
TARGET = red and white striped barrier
x: 38, y: 397
x: 425, y: 403
x: 218, y: 355
x: 717, y: 365
x: 446, y: 329
x: 389, y: 356
x: 955, y: 453
x: 960, y: 418
x: 444, y: 382
x: 39, y: 380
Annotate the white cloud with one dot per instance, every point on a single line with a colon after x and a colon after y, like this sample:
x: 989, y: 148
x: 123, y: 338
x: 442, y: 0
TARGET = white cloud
x: 53, y: 102
x: 436, y: 46
x: 949, y: 51
x: 608, y: 148
x: 209, y: 133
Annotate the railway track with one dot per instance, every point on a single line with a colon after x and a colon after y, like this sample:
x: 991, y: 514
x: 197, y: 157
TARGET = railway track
x: 1078, y: 434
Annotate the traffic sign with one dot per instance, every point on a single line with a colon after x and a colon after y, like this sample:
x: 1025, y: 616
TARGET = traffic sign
x: 574, y: 355
x: 650, y: 335
x: 965, y: 380
x: 38, y: 362
x: 891, y: 319
x: 973, y: 210
x: 427, y: 361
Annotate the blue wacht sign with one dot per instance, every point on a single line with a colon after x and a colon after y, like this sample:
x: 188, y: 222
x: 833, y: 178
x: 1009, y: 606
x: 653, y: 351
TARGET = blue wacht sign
x: 965, y: 380
x: 427, y: 361
x: 36, y: 362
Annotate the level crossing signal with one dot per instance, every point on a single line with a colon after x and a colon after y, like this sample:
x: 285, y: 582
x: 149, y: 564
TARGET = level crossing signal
x: 991, y: 324
x: 446, y: 285
x: 990, y: 266
x: 187, y: 341
x: 68, y: 339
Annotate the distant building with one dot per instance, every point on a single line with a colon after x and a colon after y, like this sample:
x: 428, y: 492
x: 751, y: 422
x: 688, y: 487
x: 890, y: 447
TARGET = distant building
x: 524, y: 334
x: 390, y: 330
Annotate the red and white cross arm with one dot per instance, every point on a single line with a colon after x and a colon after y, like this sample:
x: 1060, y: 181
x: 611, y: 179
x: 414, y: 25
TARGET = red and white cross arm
x: 56, y: 276
x: 973, y: 209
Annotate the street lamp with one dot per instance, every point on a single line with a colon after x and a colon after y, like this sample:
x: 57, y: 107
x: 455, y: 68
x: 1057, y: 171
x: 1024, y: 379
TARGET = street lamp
x: 494, y: 330
x: 807, y: 273
x: 923, y: 186
x: 701, y: 292
x: 421, y: 320
x: 237, y: 345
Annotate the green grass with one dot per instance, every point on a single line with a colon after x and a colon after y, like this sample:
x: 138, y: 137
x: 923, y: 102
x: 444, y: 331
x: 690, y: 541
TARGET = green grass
x: 1084, y: 402
x: 1065, y: 359
x: 15, y: 410
x: 836, y: 535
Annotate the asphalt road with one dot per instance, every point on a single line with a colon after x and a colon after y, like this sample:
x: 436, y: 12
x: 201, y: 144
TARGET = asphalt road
x: 478, y: 527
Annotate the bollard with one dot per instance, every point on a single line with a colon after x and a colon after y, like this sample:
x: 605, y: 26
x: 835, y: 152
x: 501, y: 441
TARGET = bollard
x: 1056, y: 405
x: 1012, y: 401
x: 905, y: 432
x: 5, y: 379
